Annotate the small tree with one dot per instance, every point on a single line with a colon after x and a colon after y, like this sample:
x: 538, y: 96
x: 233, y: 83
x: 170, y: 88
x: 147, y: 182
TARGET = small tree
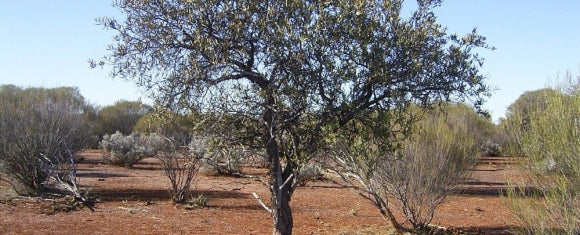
x: 296, y: 70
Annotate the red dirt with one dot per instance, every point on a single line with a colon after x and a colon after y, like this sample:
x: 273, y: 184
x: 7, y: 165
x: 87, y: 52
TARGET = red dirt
x: 136, y: 201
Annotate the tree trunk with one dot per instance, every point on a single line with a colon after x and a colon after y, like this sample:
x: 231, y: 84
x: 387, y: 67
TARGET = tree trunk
x: 281, y: 212
x: 283, y: 220
x: 280, y: 200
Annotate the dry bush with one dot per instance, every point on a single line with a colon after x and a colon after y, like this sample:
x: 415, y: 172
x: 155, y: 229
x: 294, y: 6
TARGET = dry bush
x: 427, y: 168
x: 40, y: 132
x: 180, y: 164
x: 419, y: 163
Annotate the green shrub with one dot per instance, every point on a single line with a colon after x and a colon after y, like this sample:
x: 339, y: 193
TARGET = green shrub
x: 40, y: 131
x: 548, y: 135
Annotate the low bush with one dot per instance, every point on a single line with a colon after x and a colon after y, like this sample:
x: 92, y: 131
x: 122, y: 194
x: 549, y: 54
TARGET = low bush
x: 309, y: 173
x: 419, y: 165
x: 180, y: 164
x: 490, y: 149
x: 427, y: 168
x: 127, y: 150
x: 224, y: 159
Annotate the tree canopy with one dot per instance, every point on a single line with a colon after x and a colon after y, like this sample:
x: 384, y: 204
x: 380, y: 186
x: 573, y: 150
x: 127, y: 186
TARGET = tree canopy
x: 122, y: 116
x: 297, y: 69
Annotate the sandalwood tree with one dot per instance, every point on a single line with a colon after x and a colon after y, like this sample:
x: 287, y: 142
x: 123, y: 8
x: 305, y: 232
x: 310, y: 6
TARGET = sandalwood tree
x: 292, y: 71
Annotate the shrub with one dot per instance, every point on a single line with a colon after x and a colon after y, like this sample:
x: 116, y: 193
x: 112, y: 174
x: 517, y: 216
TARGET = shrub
x: 126, y: 151
x: 419, y: 166
x: 40, y: 131
x: 490, y: 149
x: 548, y: 136
x: 180, y: 164
x: 309, y: 173
x: 427, y: 168
x: 224, y: 159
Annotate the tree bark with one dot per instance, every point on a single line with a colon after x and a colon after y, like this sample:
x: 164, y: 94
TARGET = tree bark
x: 283, y: 221
x: 281, y: 192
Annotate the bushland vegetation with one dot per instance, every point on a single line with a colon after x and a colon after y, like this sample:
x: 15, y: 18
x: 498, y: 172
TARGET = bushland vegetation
x: 40, y: 132
x: 544, y: 127
x: 299, y: 70
x: 419, y: 166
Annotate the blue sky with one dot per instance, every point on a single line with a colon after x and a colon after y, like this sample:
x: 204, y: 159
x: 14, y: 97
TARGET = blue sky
x: 48, y: 43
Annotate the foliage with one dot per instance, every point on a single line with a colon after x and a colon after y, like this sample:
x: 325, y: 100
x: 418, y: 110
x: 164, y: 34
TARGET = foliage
x: 309, y: 173
x: 40, y: 131
x: 127, y: 150
x: 122, y: 116
x: 419, y: 165
x: 548, y: 135
x: 300, y: 70
x: 428, y: 166
x: 168, y: 123
x: 518, y: 117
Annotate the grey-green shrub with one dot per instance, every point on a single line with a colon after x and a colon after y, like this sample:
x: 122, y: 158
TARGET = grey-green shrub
x: 307, y: 173
x: 488, y: 148
x: 223, y: 158
x: 127, y: 150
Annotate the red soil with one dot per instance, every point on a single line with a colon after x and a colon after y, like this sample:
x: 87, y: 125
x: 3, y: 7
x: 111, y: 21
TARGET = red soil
x: 136, y: 201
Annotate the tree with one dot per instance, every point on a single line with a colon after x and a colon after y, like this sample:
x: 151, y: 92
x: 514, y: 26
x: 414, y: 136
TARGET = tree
x: 122, y: 116
x: 295, y: 70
